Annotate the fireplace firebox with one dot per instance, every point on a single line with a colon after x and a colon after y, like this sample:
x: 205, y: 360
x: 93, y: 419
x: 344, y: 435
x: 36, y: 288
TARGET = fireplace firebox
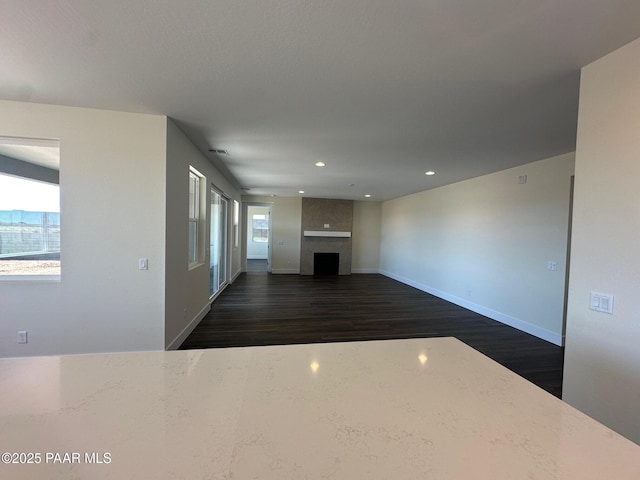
x: 326, y: 263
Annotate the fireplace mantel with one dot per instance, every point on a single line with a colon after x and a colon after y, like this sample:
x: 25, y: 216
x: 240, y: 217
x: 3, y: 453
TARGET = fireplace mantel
x: 326, y: 233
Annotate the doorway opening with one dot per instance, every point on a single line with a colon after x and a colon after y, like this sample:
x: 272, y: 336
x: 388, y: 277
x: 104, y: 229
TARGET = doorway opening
x: 258, y: 238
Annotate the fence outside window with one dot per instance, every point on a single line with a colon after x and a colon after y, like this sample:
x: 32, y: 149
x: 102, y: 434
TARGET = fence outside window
x: 24, y: 234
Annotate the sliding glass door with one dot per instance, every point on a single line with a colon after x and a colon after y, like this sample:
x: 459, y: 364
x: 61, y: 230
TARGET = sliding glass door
x: 218, y: 248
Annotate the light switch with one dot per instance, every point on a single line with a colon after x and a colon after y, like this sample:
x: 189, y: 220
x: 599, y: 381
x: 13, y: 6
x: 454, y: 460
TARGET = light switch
x: 601, y: 302
x: 143, y: 264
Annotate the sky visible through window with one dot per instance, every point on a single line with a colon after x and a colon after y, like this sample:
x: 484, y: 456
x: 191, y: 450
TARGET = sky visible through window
x: 29, y: 195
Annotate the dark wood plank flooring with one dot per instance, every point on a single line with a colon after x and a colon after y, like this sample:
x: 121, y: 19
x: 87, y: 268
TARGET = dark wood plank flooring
x: 264, y: 309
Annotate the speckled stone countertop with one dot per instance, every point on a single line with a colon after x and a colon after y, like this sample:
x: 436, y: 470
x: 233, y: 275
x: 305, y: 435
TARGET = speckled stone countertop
x: 396, y: 409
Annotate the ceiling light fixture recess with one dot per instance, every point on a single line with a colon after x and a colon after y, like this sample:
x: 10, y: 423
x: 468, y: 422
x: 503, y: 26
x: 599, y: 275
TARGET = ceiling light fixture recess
x: 300, y: 191
x: 430, y: 172
x: 320, y: 164
x: 367, y: 196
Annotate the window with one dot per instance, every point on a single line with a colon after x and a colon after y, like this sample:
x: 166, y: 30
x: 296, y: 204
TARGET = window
x: 260, y: 224
x: 29, y: 207
x: 236, y: 222
x: 195, y: 219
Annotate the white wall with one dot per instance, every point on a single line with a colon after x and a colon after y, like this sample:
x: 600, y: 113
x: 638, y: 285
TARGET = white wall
x: 187, y: 291
x: 602, y: 358
x: 255, y: 250
x: 365, y: 241
x: 112, y: 181
x: 485, y: 244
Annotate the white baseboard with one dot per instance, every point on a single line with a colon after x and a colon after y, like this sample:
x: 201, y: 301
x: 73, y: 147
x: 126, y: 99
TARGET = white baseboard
x: 235, y: 276
x: 526, y: 327
x: 189, y: 328
x: 297, y: 272
x: 256, y: 257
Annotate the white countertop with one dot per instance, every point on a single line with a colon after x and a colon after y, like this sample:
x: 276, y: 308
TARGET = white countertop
x: 396, y: 409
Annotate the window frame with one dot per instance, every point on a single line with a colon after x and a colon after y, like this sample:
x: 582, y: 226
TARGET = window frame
x: 195, y: 250
x: 236, y: 224
x: 261, y: 238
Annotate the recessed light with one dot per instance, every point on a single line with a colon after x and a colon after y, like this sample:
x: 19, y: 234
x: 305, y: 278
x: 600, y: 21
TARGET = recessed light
x: 320, y: 164
x: 430, y: 172
x: 368, y: 196
x: 300, y: 191
x: 352, y: 185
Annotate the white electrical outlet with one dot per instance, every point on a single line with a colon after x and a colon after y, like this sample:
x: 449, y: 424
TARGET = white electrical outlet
x: 22, y: 337
x: 553, y: 266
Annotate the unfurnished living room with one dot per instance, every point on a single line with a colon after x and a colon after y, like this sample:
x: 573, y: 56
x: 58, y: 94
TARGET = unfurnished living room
x: 345, y: 240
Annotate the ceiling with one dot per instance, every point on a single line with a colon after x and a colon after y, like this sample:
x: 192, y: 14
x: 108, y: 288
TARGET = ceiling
x: 379, y: 90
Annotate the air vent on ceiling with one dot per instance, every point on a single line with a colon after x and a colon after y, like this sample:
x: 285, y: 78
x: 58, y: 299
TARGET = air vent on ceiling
x: 219, y: 151
x: 246, y: 189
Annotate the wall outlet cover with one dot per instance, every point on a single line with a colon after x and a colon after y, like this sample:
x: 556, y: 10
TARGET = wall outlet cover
x: 601, y: 302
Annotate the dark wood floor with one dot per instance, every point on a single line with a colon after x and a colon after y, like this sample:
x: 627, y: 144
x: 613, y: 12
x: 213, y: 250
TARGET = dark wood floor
x: 264, y: 309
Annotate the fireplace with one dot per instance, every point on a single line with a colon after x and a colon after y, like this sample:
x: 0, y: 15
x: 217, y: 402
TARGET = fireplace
x: 326, y: 263
x: 327, y: 226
